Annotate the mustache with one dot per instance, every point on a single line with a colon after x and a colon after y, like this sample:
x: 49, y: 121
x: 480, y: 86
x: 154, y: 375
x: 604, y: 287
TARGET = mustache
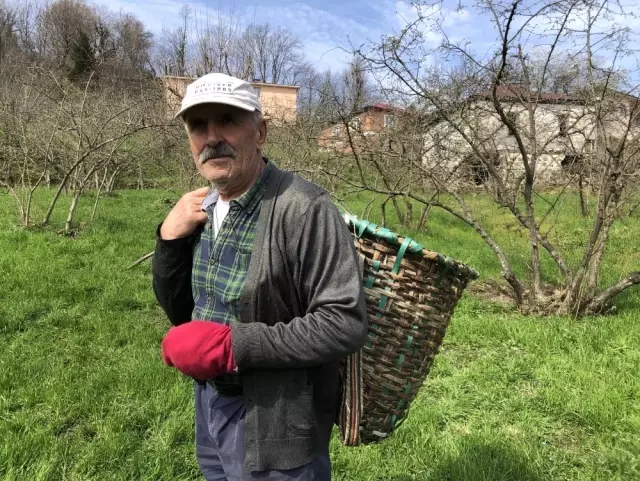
x: 221, y: 150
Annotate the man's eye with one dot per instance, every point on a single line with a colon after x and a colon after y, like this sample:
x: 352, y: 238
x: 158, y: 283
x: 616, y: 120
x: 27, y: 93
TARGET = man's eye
x: 197, y: 125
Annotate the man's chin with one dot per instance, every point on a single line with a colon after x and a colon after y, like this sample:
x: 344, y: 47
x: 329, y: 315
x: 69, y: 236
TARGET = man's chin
x: 215, y: 174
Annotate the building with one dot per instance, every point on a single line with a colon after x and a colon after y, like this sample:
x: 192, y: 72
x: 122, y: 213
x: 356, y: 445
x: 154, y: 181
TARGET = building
x: 279, y: 102
x: 370, y: 121
x: 567, y: 132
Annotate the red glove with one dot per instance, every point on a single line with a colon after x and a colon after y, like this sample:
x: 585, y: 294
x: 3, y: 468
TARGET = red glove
x: 200, y: 349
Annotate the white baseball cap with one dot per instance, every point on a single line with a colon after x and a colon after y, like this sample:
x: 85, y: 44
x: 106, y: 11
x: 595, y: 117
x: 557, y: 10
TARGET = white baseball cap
x: 221, y: 89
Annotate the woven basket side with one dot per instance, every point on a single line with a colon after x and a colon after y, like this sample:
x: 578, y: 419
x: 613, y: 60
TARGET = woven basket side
x: 408, y: 311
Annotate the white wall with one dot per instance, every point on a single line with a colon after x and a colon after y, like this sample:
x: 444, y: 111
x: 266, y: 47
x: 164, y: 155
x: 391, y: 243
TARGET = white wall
x: 485, y: 130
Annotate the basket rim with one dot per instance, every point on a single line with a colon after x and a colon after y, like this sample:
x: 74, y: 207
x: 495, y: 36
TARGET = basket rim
x: 362, y: 227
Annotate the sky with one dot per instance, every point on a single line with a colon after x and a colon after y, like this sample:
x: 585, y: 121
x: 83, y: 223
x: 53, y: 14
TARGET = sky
x: 328, y: 27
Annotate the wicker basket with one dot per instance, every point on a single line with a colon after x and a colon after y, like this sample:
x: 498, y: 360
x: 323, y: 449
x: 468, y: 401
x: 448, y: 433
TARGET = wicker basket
x: 411, y: 294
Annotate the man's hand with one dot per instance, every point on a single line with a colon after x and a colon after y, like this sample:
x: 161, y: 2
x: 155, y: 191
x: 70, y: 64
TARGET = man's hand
x: 185, y: 216
x: 200, y: 349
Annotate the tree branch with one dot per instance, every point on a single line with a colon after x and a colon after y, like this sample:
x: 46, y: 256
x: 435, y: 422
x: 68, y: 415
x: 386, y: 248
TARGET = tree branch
x: 601, y: 301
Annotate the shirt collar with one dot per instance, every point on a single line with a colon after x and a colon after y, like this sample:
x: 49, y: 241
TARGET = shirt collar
x: 247, y: 201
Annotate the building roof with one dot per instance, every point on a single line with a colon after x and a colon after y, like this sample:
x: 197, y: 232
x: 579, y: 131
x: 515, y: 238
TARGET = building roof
x: 513, y: 93
x: 253, y: 82
x: 379, y: 107
x: 267, y: 84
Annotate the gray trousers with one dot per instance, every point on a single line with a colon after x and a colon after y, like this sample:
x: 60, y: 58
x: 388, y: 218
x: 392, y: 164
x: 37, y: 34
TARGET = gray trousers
x: 220, y: 449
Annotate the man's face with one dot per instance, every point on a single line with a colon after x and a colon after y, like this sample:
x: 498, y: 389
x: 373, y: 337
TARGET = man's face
x: 225, y: 142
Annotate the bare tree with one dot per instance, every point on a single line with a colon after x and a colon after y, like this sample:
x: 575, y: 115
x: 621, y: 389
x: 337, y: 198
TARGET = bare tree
x: 58, y: 130
x: 25, y: 28
x: 218, y: 44
x: 174, y: 51
x: 23, y: 152
x: 511, y: 125
x: 132, y: 43
x: 273, y: 54
x: 61, y: 25
x: 285, y: 52
x: 8, y: 26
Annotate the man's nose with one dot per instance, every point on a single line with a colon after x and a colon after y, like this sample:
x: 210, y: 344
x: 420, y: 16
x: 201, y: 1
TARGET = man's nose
x: 213, y: 133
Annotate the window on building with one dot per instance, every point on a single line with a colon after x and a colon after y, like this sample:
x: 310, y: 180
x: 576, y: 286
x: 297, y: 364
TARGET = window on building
x: 562, y: 125
x: 437, y: 143
x: 355, y: 123
x: 258, y: 90
x: 573, y: 163
x: 389, y: 121
x: 335, y: 131
x: 589, y: 146
x: 478, y: 167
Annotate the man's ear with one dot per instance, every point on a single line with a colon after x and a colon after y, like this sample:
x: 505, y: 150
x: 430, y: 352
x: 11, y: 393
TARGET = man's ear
x: 262, y: 133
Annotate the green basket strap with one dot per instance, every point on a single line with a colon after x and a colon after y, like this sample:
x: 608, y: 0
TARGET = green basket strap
x: 448, y: 264
x: 360, y: 226
x: 375, y: 266
x: 396, y: 268
x: 400, y: 360
x: 401, y: 252
x: 406, y: 245
x: 364, y: 226
x: 371, y: 279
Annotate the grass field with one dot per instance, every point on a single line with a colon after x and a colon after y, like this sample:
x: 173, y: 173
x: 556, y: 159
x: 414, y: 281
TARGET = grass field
x: 84, y: 394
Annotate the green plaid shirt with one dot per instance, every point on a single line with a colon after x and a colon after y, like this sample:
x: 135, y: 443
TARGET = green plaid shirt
x: 220, y: 263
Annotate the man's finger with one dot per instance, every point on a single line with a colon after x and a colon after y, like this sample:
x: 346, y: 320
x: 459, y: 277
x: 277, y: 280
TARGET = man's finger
x: 197, y: 201
x: 201, y: 192
x: 201, y: 216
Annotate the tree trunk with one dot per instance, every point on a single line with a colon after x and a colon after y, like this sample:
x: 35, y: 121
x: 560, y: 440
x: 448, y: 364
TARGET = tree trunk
x: 574, y: 297
x: 398, y: 209
x: 62, y: 186
x: 583, y: 205
x: 140, y: 177
x: 593, y: 268
x: 383, y: 209
x: 533, y: 239
x: 112, y: 180
x: 19, y: 204
x: 27, y: 214
x: 47, y: 216
x: 72, y: 211
x: 95, y: 204
x: 422, y: 223
x: 408, y: 217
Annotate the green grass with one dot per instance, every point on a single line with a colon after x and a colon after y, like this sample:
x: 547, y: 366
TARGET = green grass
x: 84, y: 394
x: 568, y: 232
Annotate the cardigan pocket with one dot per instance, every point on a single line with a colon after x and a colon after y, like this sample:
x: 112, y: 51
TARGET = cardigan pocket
x: 301, y: 420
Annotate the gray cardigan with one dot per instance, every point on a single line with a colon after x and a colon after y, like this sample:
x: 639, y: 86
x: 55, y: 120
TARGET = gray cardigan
x: 302, y: 311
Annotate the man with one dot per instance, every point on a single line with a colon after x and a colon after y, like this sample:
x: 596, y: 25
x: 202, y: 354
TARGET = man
x: 261, y: 280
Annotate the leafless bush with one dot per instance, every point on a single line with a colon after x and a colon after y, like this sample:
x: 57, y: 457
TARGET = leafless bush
x: 511, y: 125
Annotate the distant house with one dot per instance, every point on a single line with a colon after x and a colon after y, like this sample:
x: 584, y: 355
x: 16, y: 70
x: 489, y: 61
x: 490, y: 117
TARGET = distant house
x: 279, y: 102
x: 370, y: 121
x: 566, y: 133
